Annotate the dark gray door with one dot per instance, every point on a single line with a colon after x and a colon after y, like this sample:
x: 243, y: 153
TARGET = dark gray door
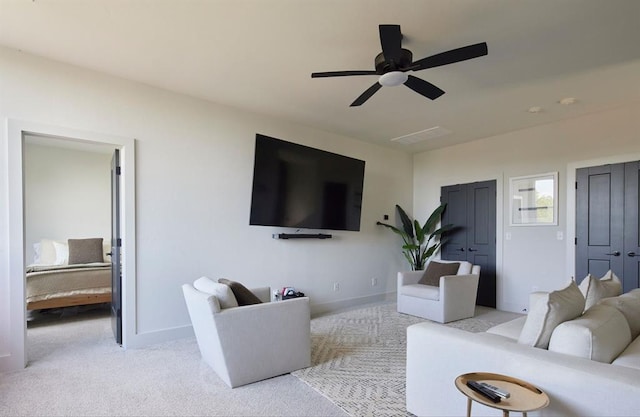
x: 607, y: 222
x: 116, y: 276
x: 472, y: 209
x: 631, y: 277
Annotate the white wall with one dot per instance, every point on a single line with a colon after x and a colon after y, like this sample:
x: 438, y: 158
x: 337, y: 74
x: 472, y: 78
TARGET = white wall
x: 194, y: 165
x: 67, y: 194
x: 534, y: 258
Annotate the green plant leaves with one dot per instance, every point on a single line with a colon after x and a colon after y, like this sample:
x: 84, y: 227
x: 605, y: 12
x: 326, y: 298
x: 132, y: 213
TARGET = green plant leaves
x: 414, y: 247
x: 407, y: 225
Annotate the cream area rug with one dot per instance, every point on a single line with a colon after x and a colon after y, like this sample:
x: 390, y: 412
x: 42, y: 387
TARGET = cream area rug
x: 358, y: 358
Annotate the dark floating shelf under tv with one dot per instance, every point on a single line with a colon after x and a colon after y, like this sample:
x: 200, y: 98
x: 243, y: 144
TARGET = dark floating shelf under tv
x: 301, y: 236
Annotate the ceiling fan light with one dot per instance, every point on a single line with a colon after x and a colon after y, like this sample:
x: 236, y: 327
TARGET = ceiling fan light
x: 393, y: 78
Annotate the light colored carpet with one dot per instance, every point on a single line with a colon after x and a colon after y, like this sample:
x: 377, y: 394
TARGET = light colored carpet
x: 76, y: 369
x: 358, y: 357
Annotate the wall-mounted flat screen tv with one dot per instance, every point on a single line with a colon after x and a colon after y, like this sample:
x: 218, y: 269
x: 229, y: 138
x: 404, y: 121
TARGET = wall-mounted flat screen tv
x: 302, y: 187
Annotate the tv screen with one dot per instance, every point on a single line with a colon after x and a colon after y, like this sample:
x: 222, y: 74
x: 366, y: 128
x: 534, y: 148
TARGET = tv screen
x: 302, y: 187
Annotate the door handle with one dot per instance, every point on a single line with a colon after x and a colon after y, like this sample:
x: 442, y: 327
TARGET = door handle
x: 460, y: 250
x: 614, y: 253
x: 632, y: 254
x: 473, y: 250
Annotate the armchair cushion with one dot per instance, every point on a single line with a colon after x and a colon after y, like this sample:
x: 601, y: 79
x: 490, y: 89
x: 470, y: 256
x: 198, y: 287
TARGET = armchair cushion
x: 435, y: 270
x: 222, y: 292
x: 243, y: 295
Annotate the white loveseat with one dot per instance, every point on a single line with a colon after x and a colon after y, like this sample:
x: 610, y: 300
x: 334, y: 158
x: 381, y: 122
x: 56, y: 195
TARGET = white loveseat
x: 576, y: 385
x: 454, y: 298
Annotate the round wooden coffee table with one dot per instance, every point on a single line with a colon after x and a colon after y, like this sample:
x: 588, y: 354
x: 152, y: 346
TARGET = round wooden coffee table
x: 524, y: 396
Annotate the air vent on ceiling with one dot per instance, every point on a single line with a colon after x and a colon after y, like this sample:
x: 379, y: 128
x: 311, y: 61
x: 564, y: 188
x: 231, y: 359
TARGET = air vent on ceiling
x: 431, y: 133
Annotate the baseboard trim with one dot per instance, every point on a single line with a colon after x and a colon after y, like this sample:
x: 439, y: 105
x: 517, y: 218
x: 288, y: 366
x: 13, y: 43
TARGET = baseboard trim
x: 150, y: 338
x: 339, y: 305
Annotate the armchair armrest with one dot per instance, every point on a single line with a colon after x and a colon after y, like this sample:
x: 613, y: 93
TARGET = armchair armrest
x: 409, y: 277
x: 458, y: 293
x: 243, y: 331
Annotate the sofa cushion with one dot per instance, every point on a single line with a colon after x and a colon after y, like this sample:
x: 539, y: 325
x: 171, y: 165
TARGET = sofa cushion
x: 435, y: 270
x: 427, y: 292
x: 243, y: 295
x: 595, y: 289
x: 550, y: 310
x: 222, y: 292
x: 629, y: 306
x: 600, y: 334
x: 630, y: 357
x: 510, y: 329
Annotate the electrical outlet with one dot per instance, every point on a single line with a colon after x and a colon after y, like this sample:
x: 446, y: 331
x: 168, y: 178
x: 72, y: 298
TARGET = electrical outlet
x: 336, y: 286
x: 374, y: 282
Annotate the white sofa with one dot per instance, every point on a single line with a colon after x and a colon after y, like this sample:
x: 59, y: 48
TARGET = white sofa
x: 454, y: 299
x: 249, y: 343
x: 576, y: 385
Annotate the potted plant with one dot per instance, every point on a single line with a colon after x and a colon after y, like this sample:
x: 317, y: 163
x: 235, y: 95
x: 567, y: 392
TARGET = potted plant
x: 417, y: 238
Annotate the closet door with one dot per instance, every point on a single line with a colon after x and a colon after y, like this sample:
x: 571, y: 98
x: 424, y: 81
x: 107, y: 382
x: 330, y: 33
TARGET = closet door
x: 599, y: 217
x: 631, y: 278
x: 472, y: 209
x: 607, y: 225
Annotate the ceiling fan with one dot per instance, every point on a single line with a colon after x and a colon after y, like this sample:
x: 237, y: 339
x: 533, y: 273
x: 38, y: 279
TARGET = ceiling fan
x: 394, y: 61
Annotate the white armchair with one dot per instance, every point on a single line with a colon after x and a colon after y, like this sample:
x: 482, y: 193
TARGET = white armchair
x: 454, y: 299
x: 253, y: 342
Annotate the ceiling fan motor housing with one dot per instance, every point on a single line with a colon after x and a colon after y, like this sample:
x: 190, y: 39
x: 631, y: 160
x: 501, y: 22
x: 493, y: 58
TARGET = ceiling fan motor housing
x: 383, y: 66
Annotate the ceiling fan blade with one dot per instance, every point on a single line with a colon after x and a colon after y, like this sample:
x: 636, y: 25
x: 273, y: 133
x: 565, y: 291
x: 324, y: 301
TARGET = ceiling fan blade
x: 341, y: 73
x: 367, y: 94
x: 449, y: 57
x: 423, y: 87
x: 391, y: 41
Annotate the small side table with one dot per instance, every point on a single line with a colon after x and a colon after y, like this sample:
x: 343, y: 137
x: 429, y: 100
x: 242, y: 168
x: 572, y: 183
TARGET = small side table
x: 524, y: 396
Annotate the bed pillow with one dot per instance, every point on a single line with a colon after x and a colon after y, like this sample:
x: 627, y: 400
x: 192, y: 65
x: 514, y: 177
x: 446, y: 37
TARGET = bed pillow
x: 243, y: 295
x: 47, y: 252
x: 548, y: 312
x: 595, y: 289
x: 62, y: 253
x: 85, y: 251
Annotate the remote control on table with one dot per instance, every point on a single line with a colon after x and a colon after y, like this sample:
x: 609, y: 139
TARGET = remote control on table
x: 477, y: 387
x: 502, y: 393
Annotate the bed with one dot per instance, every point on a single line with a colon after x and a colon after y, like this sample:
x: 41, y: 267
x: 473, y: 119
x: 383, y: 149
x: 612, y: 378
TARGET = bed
x: 68, y: 274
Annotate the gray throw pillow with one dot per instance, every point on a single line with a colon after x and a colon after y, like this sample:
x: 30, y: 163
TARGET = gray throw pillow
x: 84, y: 251
x: 243, y: 295
x: 435, y: 270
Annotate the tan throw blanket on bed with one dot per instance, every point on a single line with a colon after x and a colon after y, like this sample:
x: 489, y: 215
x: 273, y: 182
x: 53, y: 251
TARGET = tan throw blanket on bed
x: 44, y: 282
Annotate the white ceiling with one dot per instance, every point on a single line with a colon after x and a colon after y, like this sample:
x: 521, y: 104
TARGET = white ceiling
x: 258, y: 55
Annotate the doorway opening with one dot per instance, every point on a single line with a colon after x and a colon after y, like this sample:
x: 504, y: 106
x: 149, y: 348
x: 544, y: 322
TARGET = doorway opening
x: 17, y: 132
x: 67, y: 203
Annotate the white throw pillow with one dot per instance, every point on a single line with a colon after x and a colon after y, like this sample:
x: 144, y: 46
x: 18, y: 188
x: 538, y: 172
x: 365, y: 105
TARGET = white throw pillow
x: 47, y: 252
x: 36, y: 253
x: 595, y: 289
x: 548, y: 312
x: 62, y: 253
x: 222, y: 292
x: 629, y: 306
x: 600, y: 334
